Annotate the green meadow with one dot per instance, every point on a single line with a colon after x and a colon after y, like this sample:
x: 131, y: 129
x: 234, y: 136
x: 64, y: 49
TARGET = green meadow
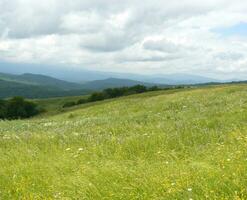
x: 178, y: 144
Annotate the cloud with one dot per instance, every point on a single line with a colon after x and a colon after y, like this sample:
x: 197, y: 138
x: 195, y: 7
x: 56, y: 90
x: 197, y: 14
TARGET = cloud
x: 229, y: 56
x: 156, y: 35
x: 162, y: 45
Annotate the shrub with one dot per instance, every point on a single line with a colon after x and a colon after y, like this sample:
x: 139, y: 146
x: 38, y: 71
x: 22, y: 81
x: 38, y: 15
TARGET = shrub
x: 97, y: 96
x: 17, y: 108
x: 154, y: 88
x: 138, y: 88
x: 2, y: 109
x: 82, y: 101
x: 112, y: 93
x: 69, y: 104
x: 115, y: 92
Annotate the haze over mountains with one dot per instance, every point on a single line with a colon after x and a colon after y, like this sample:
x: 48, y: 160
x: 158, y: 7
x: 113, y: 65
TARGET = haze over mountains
x: 41, y: 86
x: 72, y: 82
x: 81, y: 75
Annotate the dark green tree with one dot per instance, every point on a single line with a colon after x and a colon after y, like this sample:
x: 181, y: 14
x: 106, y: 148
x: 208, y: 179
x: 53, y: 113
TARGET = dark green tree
x: 18, y: 108
x: 2, y: 109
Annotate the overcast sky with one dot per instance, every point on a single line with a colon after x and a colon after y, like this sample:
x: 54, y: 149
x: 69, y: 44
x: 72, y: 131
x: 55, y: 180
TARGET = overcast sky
x: 139, y: 36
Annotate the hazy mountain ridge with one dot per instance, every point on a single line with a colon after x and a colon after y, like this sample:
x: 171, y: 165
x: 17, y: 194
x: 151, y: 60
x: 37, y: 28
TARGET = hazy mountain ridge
x: 113, y: 82
x: 41, y: 80
x: 82, y: 75
x: 11, y: 88
x: 42, y: 86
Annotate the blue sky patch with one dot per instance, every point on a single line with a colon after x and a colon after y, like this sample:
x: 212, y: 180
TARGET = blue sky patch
x: 236, y: 30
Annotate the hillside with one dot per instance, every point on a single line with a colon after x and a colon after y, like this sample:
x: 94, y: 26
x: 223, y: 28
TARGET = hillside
x: 113, y: 83
x: 40, y: 80
x: 177, y: 144
x: 11, y: 88
x: 79, y: 75
x: 180, y: 79
x: 40, y: 86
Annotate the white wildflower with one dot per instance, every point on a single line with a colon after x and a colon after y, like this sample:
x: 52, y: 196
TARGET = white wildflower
x: 80, y: 149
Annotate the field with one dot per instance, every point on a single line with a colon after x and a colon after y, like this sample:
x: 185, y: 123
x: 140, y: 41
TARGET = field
x: 181, y: 144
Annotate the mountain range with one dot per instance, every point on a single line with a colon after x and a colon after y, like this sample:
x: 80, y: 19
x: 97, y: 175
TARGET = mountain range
x: 41, y: 86
x: 31, y: 85
x: 78, y: 75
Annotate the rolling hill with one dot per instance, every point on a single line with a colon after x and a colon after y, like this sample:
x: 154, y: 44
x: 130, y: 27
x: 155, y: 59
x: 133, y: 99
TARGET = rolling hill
x: 40, y: 80
x: 180, y: 79
x: 12, y: 88
x: 113, y: 83
x: 80, y: 75
x: 40, y: 86
x: 177, y: 144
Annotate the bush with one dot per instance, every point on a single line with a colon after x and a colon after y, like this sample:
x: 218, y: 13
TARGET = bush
x: 82, y: 101
x: 112, y: 93
x: 17, y: 108
x: 97, y: 96
x: 3, y: 109
x: 69, y: 104
x: 115, y: 92
x: 138, y: 89
x: 154, y: 88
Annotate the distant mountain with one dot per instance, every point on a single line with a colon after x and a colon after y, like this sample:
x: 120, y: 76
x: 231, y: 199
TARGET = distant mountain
x: 10, y: 89
x: 113, y: 83
x: 78, y: 75
x: 40, y: 80
x: 40, y: 86
x: 178, y: 79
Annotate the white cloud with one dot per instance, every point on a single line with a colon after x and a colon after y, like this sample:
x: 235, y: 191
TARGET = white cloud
x: 157, y: 36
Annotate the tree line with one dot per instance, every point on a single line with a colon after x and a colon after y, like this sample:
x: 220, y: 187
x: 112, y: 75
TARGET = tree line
x: 112, y: 93
x: 17, y: 108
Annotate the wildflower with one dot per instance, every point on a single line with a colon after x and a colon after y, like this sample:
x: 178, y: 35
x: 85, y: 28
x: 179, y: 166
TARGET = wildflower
x: 189, y: 189
x: 173, y: 184
x: 80, y: 149
x: 76, y: 134
x: 68, y: 149
x: 228, y: 160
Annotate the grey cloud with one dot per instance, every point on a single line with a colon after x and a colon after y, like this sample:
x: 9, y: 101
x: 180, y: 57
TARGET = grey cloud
x: 161, y: 45
x: 229, y: 56
x: 29, y: 18
x: 113, y: 33
x: 153, y: 58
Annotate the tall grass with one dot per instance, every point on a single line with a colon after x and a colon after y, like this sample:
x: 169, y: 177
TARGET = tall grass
x: 183, y: 145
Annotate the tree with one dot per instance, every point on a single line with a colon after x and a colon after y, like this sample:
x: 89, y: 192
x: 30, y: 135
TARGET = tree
x: 18, y: 108
x: 97, y: 96
x: 138, y: 88
x: 69, y: 104
x: 2, y: 109
x: 82, y: 101
x: 154, y: 88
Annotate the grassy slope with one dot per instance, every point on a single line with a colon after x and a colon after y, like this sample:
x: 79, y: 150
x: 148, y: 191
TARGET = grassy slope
x: 188, y: 144
x: 54, y: 106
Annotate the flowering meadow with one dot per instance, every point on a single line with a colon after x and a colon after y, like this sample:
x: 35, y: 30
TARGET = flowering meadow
x: 178, y: 144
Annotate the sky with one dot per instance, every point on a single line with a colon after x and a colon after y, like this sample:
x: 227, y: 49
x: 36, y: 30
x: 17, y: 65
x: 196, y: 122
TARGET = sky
x: 145, y: 36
